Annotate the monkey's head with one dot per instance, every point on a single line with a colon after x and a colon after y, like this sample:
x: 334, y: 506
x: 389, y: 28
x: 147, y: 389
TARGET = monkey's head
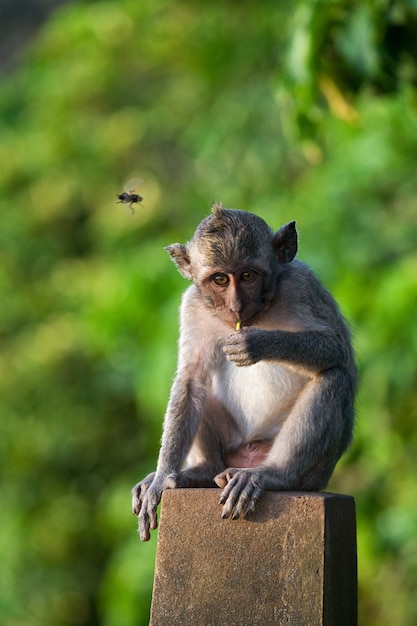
x: 235, y: 259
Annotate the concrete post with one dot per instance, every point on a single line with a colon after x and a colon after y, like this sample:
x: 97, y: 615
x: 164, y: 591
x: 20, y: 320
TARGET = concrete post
x: 293, y: 562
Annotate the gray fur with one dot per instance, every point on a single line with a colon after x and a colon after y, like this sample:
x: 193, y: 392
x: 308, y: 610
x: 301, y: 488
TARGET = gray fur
x: 278, y: 394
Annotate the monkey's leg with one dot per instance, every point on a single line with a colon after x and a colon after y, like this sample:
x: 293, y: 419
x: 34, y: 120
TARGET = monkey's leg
x: 306, y: 450
x: 205, y: 459
x: 198, y: 476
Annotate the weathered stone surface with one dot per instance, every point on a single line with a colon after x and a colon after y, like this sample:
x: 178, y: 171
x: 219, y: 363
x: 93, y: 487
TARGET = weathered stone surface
x: 293, y: 562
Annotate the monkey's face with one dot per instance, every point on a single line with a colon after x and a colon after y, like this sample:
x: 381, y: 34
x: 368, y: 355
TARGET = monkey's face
x: 237, y: 296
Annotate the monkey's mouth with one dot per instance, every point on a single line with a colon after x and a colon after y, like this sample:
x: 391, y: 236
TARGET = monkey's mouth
x: 237, y: 320
x: 245, y: 317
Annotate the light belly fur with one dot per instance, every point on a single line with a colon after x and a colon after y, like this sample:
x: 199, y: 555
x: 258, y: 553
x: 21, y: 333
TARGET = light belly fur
x: 246, y: 394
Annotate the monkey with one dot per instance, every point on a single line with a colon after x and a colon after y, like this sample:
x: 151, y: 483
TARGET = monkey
x: 263, y: 397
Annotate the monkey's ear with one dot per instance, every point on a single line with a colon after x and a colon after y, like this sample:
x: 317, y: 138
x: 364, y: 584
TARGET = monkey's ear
x: 179, y: 255
x: 285, y: 243
x: 217, y: 209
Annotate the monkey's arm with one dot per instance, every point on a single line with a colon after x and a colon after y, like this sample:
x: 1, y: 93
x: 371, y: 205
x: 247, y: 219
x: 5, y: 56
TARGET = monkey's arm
x: 316, y: 350
x: 183, y: 415
x: 180, y: 426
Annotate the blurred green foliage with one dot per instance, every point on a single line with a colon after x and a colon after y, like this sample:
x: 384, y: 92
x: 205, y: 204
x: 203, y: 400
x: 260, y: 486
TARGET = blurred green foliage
x: 302, y: 110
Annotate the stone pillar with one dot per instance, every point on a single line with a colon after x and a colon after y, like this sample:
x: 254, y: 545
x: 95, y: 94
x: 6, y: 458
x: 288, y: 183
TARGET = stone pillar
x: 292, y: 562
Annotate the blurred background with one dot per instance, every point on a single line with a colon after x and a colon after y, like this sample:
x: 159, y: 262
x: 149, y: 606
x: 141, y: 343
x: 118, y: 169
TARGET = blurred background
x: 304, y: 110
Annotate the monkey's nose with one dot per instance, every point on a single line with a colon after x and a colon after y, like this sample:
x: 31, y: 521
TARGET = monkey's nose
x: 237, y: 313
x: 235, y: 302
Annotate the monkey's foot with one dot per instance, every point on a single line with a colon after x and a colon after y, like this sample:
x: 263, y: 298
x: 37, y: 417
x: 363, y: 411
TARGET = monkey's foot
x: 241, y: 491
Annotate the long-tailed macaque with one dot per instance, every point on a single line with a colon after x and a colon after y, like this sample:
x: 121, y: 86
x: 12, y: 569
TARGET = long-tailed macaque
x: 264, y: 391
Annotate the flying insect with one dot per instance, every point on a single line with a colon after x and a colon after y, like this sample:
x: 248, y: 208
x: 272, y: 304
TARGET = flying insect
x: 129, y: 197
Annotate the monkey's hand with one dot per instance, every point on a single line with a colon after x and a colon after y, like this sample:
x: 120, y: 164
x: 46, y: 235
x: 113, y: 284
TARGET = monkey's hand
x: 245, y: 347
x: 241, y: 491
x: 146, y: 496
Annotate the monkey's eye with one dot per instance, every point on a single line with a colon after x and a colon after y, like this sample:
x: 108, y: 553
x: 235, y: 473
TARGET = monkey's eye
x: 220, y: 279
x: 247, y: 276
